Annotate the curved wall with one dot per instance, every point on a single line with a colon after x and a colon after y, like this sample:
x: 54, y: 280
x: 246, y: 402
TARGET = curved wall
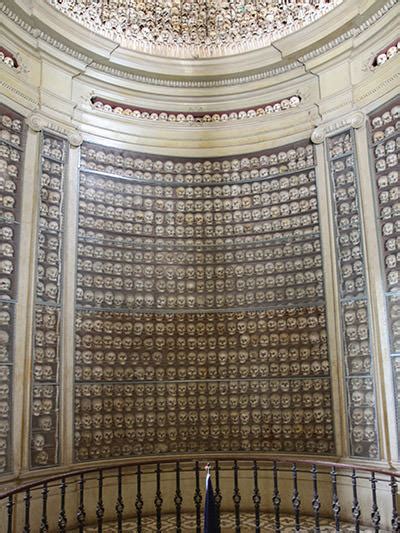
x: 196, y: 285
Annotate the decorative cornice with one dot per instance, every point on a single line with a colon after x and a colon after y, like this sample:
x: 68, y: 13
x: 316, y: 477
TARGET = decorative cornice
x: 38, y: 122
x: 354, y: 120
x: 108, y: 106
x: 184, y: 83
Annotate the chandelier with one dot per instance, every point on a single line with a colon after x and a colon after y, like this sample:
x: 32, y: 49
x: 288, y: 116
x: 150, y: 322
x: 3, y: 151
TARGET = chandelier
x: 194, y: 25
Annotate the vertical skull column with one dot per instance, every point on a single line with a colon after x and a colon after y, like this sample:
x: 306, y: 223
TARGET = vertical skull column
x: 353, y: 297
x: 47, y: 311
x: 11, y: 155
x: 385, y: 147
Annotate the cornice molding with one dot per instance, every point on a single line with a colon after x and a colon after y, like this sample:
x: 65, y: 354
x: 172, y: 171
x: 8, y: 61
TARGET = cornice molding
x: 354, y: 120
x: 38, y: 122
x: 197, y: 83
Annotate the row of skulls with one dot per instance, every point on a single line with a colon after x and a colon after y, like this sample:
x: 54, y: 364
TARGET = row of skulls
x: 122, y: 252
x: 161, y: 413
x: 128, y: 192
x: 197, y: 234
x: 122, y: 159
x: 200, y: 198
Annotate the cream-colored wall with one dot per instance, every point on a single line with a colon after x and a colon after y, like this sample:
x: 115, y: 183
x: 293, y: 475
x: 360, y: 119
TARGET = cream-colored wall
x: 53, y: 88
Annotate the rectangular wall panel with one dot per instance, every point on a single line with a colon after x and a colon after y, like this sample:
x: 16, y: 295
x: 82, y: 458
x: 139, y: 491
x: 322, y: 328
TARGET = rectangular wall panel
x: 48, y: 305
x: 12, y: 141
x: 353, y: 295
x: 384, y: 130
x: 200, y: 316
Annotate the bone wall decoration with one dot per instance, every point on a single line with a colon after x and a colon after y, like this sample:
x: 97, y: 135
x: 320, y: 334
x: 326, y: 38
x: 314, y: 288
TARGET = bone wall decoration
x: 48, y: 307
x: 12, y: 142
x: 200, y: 315
x: 384, y: 126
x: 353, y: 296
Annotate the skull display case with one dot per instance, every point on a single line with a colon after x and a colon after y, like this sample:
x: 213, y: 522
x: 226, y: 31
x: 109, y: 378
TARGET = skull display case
x: 200, y: 315
x: 12, y: 145
x: 353, y: 294
x: 384, y: 132
x: 48, y: 305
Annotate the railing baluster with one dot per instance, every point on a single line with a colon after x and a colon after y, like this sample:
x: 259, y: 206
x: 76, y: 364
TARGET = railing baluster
x: 139, y: 499
x: 10, y: 513
x: 256, y: 497
x: 276, y: 499
x: 395, y: 514
x: 119, y: 506
x: 197, y: 498
x: 178, y: 498
x: 236, y: 495
x: 158, y: 499
x: 335, y: 500
x: 81, y: 514
x: 27, y: 502
x: 218, y: 496
x: 296, y: 502
x: 375, y: 515
x: 62, y: 517
x: 316, y: 503
x: 44, y: 525
x: 100, y: 504
x: 355, y: 509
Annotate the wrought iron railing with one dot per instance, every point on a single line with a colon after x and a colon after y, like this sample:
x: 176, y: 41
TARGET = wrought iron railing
x: 283, y: 487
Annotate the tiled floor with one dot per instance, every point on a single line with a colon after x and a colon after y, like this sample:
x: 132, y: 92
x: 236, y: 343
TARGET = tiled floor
x: 228, y: 525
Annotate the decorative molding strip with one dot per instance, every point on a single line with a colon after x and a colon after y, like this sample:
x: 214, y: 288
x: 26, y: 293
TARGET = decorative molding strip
x: 108, y: 106
x: 354, y: 120
x: 387, y: 53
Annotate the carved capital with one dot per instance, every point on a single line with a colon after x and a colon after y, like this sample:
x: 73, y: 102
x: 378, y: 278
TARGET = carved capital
x: 357, y: 120
x: 318, y: 135
x: 35, y: 122
x: 75, y: 139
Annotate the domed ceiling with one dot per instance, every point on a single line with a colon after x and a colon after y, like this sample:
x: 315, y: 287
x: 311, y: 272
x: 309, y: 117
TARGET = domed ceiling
x: 194, y: 28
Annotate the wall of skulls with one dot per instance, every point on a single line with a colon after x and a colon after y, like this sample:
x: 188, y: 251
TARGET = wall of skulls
x: 200, y: 318
x: 12, y: 140
x: 384, y: 125
x: 353, y: 293
x: 48, y: 305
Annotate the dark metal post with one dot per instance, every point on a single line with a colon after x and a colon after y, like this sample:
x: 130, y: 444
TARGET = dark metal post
x: 158, y: 499
x: 139, y: 499
x: 178, y: 498
x: 296, y: 499
x: 375, y: 515
x: 100, y: 504
x: 81, y: 514
x: 276, y: 499
x: 197, y: 498
x: 27, y: 502
x: 256, y: 497
x: 236, y: 495
x: 316, y: 503
x: 62, y: 517
x: 44, y: 525
x: 10, y: 508
x: 355, y: 509
x: 119, y: 506
x: 395, y: 514
x: 335, y: 500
